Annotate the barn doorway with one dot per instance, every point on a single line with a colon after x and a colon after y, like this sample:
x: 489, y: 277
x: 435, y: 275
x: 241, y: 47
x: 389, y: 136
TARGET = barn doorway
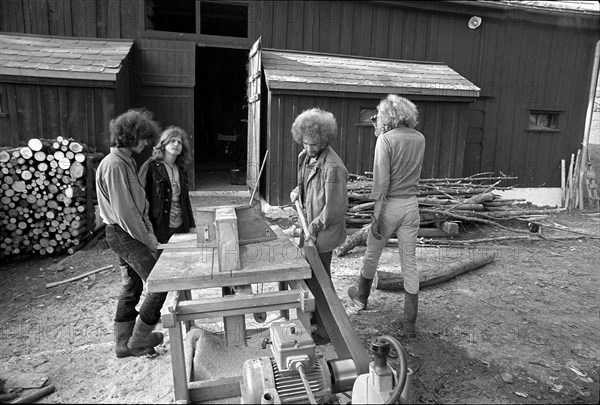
x: 220, y: 119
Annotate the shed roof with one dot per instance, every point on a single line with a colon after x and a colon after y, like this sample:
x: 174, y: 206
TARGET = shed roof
x: 62, y: 57
x: 325, y: 72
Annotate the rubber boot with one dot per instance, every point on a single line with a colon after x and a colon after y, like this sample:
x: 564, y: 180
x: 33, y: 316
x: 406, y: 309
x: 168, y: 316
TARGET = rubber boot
x: 361, y: 294
x: 411, y: 307
x: 122, y: 332
x: 144, y: 338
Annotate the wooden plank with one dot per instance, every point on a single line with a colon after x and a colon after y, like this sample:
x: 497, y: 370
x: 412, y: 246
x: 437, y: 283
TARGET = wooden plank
x: 239, y: 311
x: 254, y: 90
x: 168, y: 63
x: 129, y: 19
x: 228, y: 249
x: 78, y: 17
x: 202, y: 391
x: 191, y: 281
x: 227, y: 239
x: 243, y: 302
x: 276, y: 260
x: 252, y: 228
x: 180, y: 384
x: 114, y: 19
x: 338, y: 325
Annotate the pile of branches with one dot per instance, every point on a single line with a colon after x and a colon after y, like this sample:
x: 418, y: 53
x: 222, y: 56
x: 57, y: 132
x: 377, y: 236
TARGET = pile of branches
x: 47, y: 196
x: 463, y: 199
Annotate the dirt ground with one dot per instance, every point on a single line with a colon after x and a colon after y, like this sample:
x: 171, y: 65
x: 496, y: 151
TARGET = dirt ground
x: 522, y: 329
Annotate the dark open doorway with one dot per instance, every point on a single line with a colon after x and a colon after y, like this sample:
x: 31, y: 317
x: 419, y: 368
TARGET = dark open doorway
x: 220, y: 118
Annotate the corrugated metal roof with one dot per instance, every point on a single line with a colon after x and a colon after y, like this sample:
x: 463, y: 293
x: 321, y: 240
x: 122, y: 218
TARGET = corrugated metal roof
x: 61, y: 57
x: 324, y: 72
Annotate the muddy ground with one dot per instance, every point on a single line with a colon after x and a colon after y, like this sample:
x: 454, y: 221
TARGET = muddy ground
x: 523, y: 329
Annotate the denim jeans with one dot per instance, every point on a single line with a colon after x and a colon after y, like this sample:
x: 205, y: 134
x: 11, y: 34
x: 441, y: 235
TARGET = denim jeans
x: 400, y: 216
x: 139, y: 263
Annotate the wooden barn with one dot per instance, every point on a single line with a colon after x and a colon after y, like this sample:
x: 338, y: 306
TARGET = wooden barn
x: 45, y: 94
x: 531, y: 60
x: 350, y: 88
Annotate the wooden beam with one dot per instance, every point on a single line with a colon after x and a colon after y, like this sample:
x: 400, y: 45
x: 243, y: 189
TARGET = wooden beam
x: 228, y: 244
x: 385, y: 280
x: 338, y: 325
x: 242, y: 302
x: 239, y: 311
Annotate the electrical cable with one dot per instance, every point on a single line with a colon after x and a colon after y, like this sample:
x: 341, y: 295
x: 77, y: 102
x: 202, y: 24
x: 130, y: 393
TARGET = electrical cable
x: 403, y: 368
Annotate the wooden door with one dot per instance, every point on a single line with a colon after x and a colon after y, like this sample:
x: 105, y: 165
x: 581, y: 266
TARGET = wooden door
x: 254, y: 83
x: 167, y: 79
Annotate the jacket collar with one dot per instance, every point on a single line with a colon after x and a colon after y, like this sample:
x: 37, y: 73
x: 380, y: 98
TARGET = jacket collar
x: 318, y: 165
x: 125, y: 155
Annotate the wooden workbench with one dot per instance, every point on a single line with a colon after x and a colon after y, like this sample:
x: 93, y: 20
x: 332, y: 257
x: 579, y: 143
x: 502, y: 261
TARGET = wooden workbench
x: 185, y: 265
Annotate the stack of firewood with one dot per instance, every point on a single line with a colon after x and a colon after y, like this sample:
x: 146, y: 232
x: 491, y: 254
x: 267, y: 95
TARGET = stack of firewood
x: 46, y: 196
x: 461, y: 199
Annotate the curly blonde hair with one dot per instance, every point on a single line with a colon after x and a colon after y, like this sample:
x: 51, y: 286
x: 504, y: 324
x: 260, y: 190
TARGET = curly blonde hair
x: 394, y: 111
x: 317, y: 125
x: 184, y: 158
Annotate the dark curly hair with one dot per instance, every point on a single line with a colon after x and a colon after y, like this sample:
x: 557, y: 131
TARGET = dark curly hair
x: 317, y: 125
x: 132, y: 126
x: 184, y: 158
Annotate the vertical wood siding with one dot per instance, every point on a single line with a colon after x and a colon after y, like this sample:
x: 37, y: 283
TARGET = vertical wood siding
x: 356, y: 142
x: 167, y: 78
x: 38, y: 111
x: 76, y: 18
x: 519, y: 65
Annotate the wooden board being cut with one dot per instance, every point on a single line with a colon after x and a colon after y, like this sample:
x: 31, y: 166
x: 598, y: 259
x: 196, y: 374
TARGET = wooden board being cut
x: 195, y: 268
x: 252, y: 228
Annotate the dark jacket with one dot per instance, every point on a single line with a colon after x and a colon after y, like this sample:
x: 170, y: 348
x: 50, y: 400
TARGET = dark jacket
x: 155, y: 180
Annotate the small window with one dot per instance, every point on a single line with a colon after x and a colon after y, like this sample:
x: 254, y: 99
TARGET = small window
x: 365, y: 115
x: 543, y: 121
x: 224, y: 18
x: 171, y: 15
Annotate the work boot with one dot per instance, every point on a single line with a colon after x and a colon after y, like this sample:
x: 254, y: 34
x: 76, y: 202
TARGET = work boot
x: 411, y: 307
x: 361, y: 294
x: 144, y: 338
x: 122, y: 332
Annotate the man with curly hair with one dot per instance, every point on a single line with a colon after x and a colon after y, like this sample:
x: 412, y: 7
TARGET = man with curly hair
x: 399, y: 152
x: 124, y: 209
x: 321, y: 187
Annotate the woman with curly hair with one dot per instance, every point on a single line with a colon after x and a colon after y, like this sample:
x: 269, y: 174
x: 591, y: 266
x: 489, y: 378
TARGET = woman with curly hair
x: 321, y: 187
x: 165, y: 180
x: 399, y: 152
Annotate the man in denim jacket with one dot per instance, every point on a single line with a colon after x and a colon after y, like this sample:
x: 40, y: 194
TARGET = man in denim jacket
x: 322, y: 187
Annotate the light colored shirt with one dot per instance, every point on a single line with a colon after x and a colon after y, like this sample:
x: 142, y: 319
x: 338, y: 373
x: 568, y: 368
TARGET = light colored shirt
x: 398, y: 163
x: 121, y: 197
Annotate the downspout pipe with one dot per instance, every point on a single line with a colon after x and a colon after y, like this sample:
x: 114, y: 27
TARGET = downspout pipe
x: 588, y: 122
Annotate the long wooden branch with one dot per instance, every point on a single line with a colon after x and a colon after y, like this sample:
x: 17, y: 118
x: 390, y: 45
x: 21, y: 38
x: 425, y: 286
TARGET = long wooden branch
x: 49, y: 285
